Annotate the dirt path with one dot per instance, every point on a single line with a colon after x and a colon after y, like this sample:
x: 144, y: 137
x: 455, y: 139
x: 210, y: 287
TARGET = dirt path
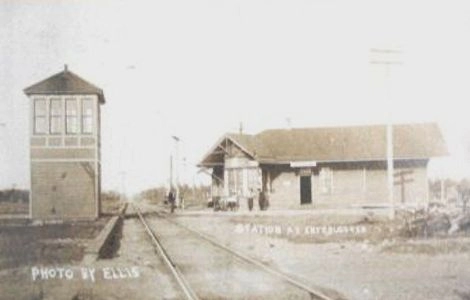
x: 356, y: 269
x: 115, y: 278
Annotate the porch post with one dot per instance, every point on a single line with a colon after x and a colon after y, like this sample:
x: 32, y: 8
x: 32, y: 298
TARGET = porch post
x: 225, y: 182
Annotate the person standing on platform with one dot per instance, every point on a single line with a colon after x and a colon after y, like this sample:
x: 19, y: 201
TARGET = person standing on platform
x: 251, y: 196
x: 260, y: 199
x: 171, y: 199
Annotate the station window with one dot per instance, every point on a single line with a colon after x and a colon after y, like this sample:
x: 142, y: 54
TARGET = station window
x: 254, y: 179
x: 71, y: 116
x: 55, y: 116
x: 40, y: 116
x: 87, y: 116
x: 326, y: 180
x: 235, y: 181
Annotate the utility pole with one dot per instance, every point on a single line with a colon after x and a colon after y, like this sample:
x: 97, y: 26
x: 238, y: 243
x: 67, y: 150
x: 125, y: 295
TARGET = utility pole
x: 185, y: 179
x: 289, y: 122
x: 402, y: 180
x: 387, y: 58
x: 176, y: 170
x: 171, y: 172
x: 123, y: 185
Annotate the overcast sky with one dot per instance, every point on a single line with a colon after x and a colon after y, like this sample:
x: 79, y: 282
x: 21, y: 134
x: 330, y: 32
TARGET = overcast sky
x: 197, y: 68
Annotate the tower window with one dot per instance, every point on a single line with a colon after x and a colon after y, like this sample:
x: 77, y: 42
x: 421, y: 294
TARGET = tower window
x: 40, y: 116
x: 87, y: 116
x: 71, y: 115
x: 55, y: 116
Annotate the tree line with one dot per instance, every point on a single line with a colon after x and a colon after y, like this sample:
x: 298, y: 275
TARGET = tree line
x: 452, y: 191
x: 14, y: 195
x: 193, y: 195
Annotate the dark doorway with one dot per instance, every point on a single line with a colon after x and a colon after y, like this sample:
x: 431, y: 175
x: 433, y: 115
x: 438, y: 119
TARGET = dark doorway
x: 305, y: 190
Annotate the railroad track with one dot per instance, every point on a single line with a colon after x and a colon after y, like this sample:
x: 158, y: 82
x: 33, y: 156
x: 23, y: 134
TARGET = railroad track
x: 182, y: 281
x: 179, y: 277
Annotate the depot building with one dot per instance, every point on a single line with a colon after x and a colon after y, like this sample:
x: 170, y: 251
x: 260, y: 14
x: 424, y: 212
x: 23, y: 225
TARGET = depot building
x: 327, y: 167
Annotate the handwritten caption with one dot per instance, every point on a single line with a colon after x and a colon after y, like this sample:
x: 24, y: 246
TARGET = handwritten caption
x: 84, y: 273
x: 326, y: 230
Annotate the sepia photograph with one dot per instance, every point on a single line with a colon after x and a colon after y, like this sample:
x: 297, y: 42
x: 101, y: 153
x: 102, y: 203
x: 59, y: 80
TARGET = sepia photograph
x: 234, y: 149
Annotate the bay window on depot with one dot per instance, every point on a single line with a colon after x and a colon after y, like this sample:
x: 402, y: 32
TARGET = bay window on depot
x: 40, y: 116
x: 71, y: 116
x: 87, y: 116
x: 235, y: 182
x: 253, y: 180
x: 55, y: 116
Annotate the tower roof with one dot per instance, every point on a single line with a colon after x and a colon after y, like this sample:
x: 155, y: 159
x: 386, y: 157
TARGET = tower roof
x: 66, y: 83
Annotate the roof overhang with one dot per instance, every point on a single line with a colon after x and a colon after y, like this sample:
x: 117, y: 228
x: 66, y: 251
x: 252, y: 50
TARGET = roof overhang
x: 312, y: 163
x: 213, y: 150
x: 101, y: 98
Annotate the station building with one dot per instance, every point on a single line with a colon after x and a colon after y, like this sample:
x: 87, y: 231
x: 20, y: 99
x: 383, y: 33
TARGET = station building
x: 65, y: 147
x: 325, y: 167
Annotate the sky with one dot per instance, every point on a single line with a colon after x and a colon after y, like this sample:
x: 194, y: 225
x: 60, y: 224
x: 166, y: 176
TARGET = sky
x: 197, y: 69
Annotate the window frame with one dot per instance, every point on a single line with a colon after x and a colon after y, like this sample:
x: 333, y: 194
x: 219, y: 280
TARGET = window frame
x: 235, y: 181
x: 54, y: 116
x: 253, y: 180
x: 42, y: 116
x: 75, y: 116
x: 326, y: 181
x: 84, y: 116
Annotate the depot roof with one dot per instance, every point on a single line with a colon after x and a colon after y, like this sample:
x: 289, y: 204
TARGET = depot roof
x: 331, y: 144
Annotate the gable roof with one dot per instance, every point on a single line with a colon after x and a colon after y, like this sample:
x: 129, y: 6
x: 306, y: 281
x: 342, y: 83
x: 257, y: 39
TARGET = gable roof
x: 330, y: 144
x: 65, y: 82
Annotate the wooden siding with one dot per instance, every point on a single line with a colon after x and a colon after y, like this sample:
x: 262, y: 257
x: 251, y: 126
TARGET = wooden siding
x: 285, y: 190
x: 65, y: 168
x: 353, y: 186
x: 63, y: 153
x: 63, y: 190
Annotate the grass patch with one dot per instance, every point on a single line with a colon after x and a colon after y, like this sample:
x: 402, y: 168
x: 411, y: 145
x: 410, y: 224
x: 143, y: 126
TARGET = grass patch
x: 110, y: 206
x: 429, y: 247
x: 47, y: 244
x: 14, y: 208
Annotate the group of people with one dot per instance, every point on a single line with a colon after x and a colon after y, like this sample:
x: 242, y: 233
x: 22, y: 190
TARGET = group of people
x: 263, y: 199
x: 233, y: 202
x: 172, y: 200
x: 261, y: 196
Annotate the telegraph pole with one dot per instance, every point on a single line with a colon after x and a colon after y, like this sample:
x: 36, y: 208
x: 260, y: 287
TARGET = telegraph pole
x: 171, y: 172
x: 388, y: 58
x: 123, y: 185
x: 176, y: 169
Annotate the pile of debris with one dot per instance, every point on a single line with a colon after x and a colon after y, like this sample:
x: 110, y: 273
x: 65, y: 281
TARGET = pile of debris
x: 436, y: 224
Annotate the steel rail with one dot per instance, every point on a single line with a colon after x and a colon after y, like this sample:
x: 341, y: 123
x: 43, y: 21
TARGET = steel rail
x: 313, y: 292
x: 185, y: 287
